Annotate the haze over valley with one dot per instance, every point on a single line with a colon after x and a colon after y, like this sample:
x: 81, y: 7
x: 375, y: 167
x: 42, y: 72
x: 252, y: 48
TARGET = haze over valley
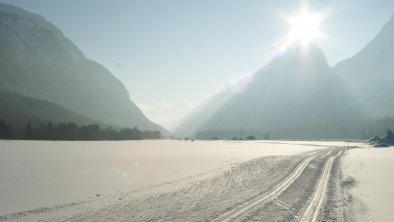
x: 196, y: 111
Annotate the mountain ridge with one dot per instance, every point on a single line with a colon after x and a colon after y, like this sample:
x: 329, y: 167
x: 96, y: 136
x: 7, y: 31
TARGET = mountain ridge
x: 37, y: 60
x: 314, y: 102
x: 369, y: 73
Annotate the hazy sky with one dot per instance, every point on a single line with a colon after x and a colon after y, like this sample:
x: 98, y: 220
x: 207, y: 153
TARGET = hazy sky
x: 173, y: 54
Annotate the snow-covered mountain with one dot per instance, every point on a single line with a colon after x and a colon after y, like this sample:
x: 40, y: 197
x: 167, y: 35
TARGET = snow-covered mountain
x: 37, y: 60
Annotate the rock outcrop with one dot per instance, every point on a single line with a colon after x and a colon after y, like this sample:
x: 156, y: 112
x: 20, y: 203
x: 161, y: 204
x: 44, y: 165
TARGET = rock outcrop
x: 385, y: 141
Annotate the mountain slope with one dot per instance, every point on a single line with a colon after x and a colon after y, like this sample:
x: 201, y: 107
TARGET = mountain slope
x: 290, y: 100
x: 370, y: 74
x: 294, y: 96
x: 20, y: 110
x: 197, y: 118
x: 36, y: 60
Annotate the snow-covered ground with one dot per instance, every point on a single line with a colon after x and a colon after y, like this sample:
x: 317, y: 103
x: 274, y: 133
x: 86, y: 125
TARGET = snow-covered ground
x: 373, y: 192
x: 45, y: 173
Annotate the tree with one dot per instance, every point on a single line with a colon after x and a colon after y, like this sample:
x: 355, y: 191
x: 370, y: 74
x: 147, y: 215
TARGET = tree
x: 49, y: 131
x: 71, y: 131
x: 2, y: 129
x: 2, y: 124
x: 266, y: 136
x: 390, y: 134
x: 250, y: 138
x: 28, y: 132
x: 9, y: 132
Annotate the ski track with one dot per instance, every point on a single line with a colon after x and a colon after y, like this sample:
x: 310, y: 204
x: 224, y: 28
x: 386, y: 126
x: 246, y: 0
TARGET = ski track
x: 313, y: 209
x: 230, y: 196
x: 238, y: 213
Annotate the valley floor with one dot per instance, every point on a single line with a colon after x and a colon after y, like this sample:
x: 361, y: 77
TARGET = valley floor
x: 196, y: 181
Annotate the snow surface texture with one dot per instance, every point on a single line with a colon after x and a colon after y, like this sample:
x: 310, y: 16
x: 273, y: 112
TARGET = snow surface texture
x: 43, y: 174
x: 372, y: 193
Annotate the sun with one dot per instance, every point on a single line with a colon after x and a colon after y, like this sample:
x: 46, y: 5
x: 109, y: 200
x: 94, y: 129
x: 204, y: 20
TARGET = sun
x: 305, y: 27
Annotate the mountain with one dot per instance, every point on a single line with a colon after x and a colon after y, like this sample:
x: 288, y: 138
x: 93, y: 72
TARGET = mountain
x: 193, y: 121
x: 20, y: 110
x: 38, y: 61
x: 299, y: 96
x: 293, y: 96
x: 369, y: 75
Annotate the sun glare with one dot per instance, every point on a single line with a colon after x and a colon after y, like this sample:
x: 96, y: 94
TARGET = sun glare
x: 305, y: 27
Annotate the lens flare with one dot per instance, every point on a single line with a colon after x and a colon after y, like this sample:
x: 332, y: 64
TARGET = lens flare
x: 305, y: 26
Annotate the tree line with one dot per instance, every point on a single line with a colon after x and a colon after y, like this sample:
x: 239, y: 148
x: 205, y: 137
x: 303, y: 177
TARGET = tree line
x: 363, y: 131
x: 379, y: 127
x: 71, y: 131
x: 231, y: 135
